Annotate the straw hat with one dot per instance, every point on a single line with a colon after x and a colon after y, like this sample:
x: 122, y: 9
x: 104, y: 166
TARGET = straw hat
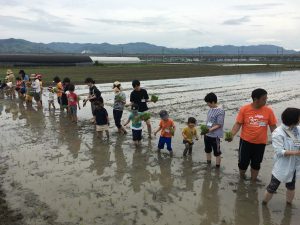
x: 9, y: 71
x: 117, y: 85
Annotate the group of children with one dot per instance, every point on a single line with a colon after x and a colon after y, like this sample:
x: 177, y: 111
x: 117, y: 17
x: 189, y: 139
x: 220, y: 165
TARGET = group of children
x: 214, y: 123
x: 253, y: 118
x: 31, y: 87
x: 26, y: 87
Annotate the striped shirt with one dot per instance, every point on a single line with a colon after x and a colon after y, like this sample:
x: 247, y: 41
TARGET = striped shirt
x: 215, y: 116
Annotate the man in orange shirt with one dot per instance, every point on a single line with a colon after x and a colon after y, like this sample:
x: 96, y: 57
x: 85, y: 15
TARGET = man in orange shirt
x: 254, y: 119
x: 167, y: 128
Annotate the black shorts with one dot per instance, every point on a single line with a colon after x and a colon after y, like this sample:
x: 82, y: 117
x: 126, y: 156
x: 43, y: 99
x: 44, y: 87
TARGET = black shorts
x: 250, y: 153
x: 136, y: 135
x: 212, y: 144
x: 274, y: 184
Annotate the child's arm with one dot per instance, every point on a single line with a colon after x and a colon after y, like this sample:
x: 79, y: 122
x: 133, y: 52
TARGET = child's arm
x: 107, y: 120
x: 215, y: 127
x: 127, y: 122
x: 157, y: 130
x: 78, y: 104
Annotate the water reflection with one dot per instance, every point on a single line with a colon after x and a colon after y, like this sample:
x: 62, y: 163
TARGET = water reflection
x: 210, y: 199
x: 246, y: 204
x: 120, y: 158
x: 100, y: 155
x: 139, y: 173
x: 165, y: 177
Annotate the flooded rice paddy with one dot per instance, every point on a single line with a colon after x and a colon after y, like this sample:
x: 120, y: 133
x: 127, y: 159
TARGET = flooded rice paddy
x: 56, y: 172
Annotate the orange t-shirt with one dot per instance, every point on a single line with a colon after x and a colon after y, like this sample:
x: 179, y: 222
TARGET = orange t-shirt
x: 255, y: 123
x: 166, y: 127
x: 60, y: 89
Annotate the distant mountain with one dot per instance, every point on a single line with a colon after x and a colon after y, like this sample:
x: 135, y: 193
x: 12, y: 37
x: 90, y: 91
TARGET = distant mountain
x: 23, y: 46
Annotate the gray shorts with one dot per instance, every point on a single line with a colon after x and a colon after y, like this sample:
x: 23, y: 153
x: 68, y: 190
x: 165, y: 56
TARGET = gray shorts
x: 73, y: 110
x: 37, y: 96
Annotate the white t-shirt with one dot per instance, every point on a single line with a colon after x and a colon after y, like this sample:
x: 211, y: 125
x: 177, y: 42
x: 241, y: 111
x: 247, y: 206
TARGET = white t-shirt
x: 36, y: 86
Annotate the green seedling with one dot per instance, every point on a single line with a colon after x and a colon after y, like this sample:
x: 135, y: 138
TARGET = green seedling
x: 204, y: 129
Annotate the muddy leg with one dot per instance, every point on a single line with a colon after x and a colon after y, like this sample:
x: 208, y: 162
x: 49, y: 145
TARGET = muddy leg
x: 187, y: 146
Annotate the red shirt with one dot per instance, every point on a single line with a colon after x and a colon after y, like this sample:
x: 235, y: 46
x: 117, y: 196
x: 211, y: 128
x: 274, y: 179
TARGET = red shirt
x: 72, y: 99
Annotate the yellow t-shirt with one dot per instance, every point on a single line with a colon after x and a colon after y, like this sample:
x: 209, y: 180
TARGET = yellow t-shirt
x: 189, y: 133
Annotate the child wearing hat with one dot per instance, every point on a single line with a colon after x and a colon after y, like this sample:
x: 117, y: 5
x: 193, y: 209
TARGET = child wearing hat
x: 118, y: 107
x: 136, y: 124
x: 51, y: 97
x: 167, y: 128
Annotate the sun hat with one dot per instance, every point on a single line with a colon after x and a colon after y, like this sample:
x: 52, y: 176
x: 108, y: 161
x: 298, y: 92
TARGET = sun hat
x: 9, y: 71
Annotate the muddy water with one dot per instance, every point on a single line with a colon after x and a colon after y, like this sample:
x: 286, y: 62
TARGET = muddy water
x: 61, y: 173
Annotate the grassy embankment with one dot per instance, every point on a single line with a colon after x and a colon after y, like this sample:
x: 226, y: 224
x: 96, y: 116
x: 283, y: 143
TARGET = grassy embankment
x: 110, y: 73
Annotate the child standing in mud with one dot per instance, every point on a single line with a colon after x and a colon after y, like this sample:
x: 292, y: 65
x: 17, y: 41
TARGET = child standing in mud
x: 140, y: 97
x: 189, y: 133
x: 118, y: 107
x: 214, y: 123
x: 136, y: 124
x: 51, y: 97
x: 73, y: 102
x: 167, y: 128
x: 101, y: 118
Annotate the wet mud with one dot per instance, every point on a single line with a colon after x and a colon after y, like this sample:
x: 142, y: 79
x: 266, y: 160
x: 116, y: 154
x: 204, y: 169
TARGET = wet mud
x: 56, y: 172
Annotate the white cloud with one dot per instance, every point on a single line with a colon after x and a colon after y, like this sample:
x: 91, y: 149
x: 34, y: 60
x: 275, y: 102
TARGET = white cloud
x: 173, y: 23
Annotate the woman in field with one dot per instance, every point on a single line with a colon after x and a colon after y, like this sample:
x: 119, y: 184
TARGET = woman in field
x: 286, y: 143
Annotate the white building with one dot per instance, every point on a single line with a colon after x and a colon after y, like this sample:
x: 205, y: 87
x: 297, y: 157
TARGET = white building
x: 117, y: 60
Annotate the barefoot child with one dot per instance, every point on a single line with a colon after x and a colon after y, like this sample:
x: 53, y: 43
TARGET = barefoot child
x: 51, y: 97
x: 189, y: 133
x: 140, y: 97
x: 136, y: 124
x: 73, y: 103
x: 167, y: 128
x: 101, y: 118
x: 118, y: 107
x: 215, y: 123
x: 29, y: 94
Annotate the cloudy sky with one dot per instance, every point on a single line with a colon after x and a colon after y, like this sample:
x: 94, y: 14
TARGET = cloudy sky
x: 171, y: 23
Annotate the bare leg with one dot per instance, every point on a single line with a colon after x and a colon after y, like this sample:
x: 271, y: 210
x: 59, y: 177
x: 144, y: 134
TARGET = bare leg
x: 99, y: 134
x: 242, y: 174
x: 107, y: 134
x: 187, y: 146
x: 218, y: 160
x: 254, y: 174
x: 208, y: 157
x: 190, y: 149
x: 268, y: 196
x: 290, y: 196
x: 149, y: 128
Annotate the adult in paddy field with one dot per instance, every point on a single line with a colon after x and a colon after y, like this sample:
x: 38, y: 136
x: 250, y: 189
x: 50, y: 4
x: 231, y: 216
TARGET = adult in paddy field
x: 254, y: 119
x: 140, y: 97
x: 286, y: 143
x: 94, y: 94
